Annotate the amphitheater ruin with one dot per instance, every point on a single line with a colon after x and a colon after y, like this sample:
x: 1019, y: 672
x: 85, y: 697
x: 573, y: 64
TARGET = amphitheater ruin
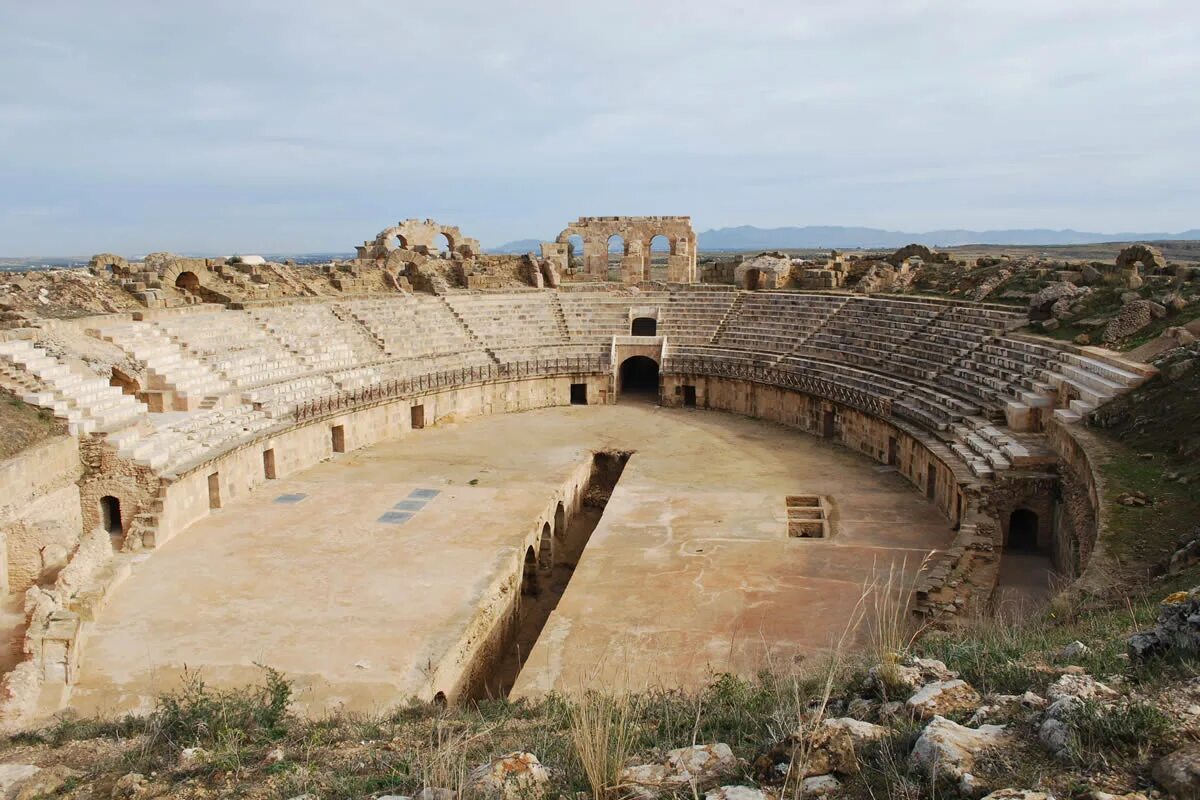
x: 431, y: 472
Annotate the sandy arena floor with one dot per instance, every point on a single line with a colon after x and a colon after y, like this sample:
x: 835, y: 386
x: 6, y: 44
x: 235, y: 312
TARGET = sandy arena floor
x: 690, y: 570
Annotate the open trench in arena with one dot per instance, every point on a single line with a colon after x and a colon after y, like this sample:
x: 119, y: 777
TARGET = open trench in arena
x: 543, y: 584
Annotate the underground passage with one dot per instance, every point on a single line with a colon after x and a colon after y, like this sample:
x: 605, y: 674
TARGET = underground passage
x: 639, y: 377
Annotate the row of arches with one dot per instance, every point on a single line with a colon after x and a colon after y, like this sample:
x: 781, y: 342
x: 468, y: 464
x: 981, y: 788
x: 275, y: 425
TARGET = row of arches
x: 541, y: 561
x: 657, y: 249
x: 443, y: 244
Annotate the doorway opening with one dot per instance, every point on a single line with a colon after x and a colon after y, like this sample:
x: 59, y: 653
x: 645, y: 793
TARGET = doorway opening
x: 269, y: 464
x: 188, y: 282
x: 110, y: 515
x: 1022, y: 531
x: 892, y: 454
x: 417, y: 417
x: 339, y: 438
x: 579, y: 394
x: 214, y: 490
x: 546, y: 549
x: 754, y: 279
x: 644, y: 326
x: 689, y: 396
x: 639, y: 378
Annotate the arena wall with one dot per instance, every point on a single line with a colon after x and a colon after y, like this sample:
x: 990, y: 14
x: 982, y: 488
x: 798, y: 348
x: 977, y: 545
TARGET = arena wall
x: 855, y: 429
x: 240, y: 471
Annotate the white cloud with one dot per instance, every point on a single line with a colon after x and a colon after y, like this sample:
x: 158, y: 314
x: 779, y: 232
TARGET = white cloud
x: 146, y: 119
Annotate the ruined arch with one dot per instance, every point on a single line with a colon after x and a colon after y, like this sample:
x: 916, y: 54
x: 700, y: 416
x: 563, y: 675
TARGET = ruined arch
x: 188, y: 281
x: 1149, y: 259
x: 529, y: 580
x: 545, y: 557
x: 908, y: 251
x: 560, y: 521
x: 110, y: 515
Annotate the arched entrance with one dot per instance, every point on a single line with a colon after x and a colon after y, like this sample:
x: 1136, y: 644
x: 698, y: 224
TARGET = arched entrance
x: 644, y: 326
x: 560, y: 522
x: 110, y: 516
x: 658, y: 252
x: 617, y: 250
x: 529, y: 581
x: 546, y: 549
x: 575, y: 251
x: 1022, y: 531
x: 754, y: 279
x: 638, y: 378
x: 188, y: 282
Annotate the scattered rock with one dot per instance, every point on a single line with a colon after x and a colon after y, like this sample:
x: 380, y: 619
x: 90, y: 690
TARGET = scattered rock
x: 1050, y: 324
x: 908, y: 676
x: 826, y: 749
x: 1179, y: 772
x: 1074, y: 650
x: 1082, y: 687
x: 1052, y: 293
x: 820, y: 786
x: 739, y: 793
x: 275, y: 755
x: 1089, y: 275
x: 191, y: 757
x: 129, y: 785
x: 944, y: 697
x: 949, y: 749
x: 1133, y: 499
x: 1083, y: 338
x: 436, y: 793
x: 514, y: 776
x: 858, y: 730
x: 1018, y: 794
x: 701, y: 766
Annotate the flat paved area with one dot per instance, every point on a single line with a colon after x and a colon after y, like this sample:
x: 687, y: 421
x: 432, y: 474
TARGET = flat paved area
x: 690, y: 570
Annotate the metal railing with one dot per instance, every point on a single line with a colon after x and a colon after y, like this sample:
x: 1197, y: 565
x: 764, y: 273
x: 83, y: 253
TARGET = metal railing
x: 783, y: 377
x: 408, y: 386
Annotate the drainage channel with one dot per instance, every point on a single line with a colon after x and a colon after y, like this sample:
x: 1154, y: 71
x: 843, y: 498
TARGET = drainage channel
x: 541, y: 589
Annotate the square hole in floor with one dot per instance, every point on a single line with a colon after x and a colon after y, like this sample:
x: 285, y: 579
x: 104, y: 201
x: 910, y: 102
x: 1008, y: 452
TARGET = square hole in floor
x: 290, y: 498
x: 395, y: 517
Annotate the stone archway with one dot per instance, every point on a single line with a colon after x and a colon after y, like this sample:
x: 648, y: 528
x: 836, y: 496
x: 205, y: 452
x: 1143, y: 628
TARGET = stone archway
x: 638, y: 378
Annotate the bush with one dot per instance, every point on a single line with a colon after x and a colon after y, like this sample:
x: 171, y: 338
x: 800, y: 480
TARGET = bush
x: 1119, y: 730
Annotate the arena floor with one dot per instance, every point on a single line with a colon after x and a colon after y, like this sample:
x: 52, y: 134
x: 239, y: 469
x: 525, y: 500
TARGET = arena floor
x: 689, y: 571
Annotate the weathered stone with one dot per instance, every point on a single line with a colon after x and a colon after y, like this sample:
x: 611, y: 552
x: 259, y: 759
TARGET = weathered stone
x: 1018, y: 794
x: 1089, y: 275
x: 944, y: 697
x: 1179, y: 772
x: 514, y: 776
x: 1083, y: 687
x: 950, y: 749
x: 1177, y: 628
x: 13, y: 777
x: 44, y: 783
x: 739, y: 793
x: 1074, y: 650
x: 858, y: 730
x: 820, y: 786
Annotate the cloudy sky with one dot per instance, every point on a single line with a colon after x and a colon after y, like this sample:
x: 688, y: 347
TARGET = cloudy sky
x: 310, y: 125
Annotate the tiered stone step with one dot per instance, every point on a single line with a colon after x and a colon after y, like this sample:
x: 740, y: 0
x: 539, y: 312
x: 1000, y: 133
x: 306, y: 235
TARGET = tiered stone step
x: 87, y: 402
x: 170, y: 367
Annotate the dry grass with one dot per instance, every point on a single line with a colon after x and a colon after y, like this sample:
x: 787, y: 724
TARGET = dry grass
x: 603, y: 732
x: 22, y: 425
x: 891, y: 627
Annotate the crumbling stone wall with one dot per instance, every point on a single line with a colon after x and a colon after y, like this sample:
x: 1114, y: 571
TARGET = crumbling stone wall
x: 40, y: 520
x: 637, y: 234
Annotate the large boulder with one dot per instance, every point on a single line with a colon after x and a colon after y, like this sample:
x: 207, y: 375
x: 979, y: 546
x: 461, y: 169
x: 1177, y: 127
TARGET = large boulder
x: 824, y: 750
x: 860, y: 732
x: 13, y: 777
x: 1177, y: 628
x: 948, y: 749
x: 1179, y: 772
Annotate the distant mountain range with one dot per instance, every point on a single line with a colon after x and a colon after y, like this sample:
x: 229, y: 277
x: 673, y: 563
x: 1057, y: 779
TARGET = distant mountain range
x: 748, y: 237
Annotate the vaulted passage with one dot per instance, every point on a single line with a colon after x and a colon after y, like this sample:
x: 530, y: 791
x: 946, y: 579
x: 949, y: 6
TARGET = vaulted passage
x: 639, y: 378
x: 545, y: 577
